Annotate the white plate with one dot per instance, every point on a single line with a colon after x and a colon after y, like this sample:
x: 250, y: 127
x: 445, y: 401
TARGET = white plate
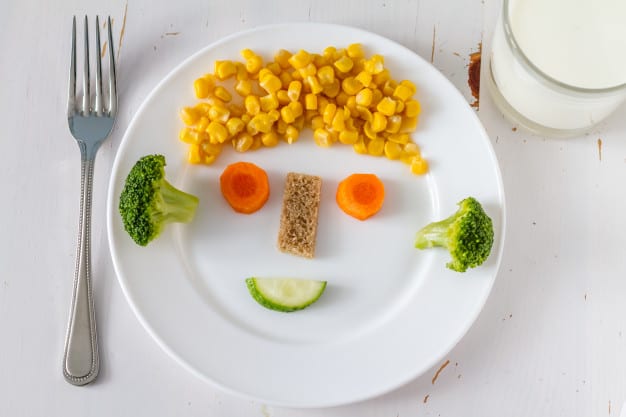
x: 389, y: 313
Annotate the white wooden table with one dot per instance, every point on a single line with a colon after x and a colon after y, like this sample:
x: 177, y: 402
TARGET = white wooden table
x: 551, y: 340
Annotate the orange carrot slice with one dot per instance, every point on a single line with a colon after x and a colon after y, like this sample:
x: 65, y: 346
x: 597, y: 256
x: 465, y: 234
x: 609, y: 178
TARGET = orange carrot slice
x: 245, y: 187
x: 361, y: 195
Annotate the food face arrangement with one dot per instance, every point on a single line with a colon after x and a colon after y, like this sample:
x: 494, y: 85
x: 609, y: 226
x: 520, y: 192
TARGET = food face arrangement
x: 346, y: 98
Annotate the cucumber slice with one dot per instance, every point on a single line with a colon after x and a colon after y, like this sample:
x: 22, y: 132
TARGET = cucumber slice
x: 285, y: 294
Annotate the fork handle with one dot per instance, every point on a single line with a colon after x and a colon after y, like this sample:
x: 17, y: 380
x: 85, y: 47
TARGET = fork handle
x: 80, y: 359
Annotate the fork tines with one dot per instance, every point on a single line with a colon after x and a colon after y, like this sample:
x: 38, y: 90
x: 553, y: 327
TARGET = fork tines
x: 98, y: 107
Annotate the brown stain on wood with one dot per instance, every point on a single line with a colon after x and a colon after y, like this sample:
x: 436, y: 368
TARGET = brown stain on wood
x: 473, y: 75
x: 119, y: 44
x: 599, y: 149
x: 441, y: 368
x: 432, y: 49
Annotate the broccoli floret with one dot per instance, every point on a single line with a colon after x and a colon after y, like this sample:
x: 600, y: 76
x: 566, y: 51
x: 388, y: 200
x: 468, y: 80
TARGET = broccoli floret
x: 467, y: 234
x: 148, y: 202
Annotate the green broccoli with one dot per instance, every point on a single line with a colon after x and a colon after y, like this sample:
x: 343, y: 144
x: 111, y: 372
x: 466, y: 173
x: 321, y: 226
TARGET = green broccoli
x: 467, y: 234
x: 148, y: 202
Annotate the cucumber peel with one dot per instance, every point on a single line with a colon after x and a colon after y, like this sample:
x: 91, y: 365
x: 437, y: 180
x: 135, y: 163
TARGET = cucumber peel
x: 285, y: 294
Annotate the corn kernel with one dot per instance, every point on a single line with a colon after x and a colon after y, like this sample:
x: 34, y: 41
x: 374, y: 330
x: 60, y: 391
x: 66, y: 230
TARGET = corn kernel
x: 365, y: 113
x: 386, y: 106
x: 355, y: 50
x: 274, y: 115
x: 392, y: 150
x: 270, y: 83
x: 243, y: 142
x: 419, y: 166
x: 360, y: 146
x: 291, y: 134
x: 219, y: 113
x: 348, y: 137
x: 409, y: 151
x: 282, y: 57
x: 402, y: 92
x: 377, y: 95
x: 285, y: 79
x: 409, y: 84
x: 260, y: 123
x: 189, y: 115
x: 269, y: 139
x: 310, y: 69
x: 329, y: 113
x: 217, y: 132
x: 412, y: 108
x: 374, y: 65
x: 317, y: 122
x: 201, y: 87
x: 300, y: 59
x: 408, y: 124
x: 365, y: 78
x: 194, y: 155
x: 389, y: 87
x: 379, y: 122
x: 234, y: 125
x: 376, y: 147
x: 256, y: 142
x: 369, y: 132
x: 203, y: 123
x: 382, y: 77
x: 236, y: 110
x: 253, y: 64
x: 326, y: 75
x: 225, y: 69
x: 364, y: 97
x: 341, y: 99
x: 242, y: 71
x: 400, y: 138
x: 222, y: 93
x: 393, y: 123
x: 319, y: 60
x: 282, y: 97
x: 399, y: 106
x: 338, y: 123
x: 295, y: 87
x: 252, y: 104
x: 322, y: 137
x: 351, y: 86
x: 281, y: 126
x: 296, y: 108
x: 274, y: 67
x: 202, y: 108
x: 344, y: 64
x: 243, y: 87
x: 310, y: 101
x: 332, y: 89
x: 329, y: 52
x: 314, y: 85
x: 287, y: 114
x: 211, y: 148
x: 268, y: 102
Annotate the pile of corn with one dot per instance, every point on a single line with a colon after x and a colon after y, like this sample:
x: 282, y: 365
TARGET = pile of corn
x: 343, y: 96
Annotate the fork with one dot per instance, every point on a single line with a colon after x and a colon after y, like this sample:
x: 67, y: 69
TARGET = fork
x: 90, y: 125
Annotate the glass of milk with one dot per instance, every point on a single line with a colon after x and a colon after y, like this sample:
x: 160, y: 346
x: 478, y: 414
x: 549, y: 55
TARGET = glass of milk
x: 558, y: 67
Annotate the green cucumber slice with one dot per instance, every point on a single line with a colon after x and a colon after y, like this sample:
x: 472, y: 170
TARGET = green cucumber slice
x: 285, y: 294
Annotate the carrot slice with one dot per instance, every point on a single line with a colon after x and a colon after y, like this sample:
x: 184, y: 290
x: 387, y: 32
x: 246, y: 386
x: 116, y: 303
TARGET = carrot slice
x: 361, y: 195
x: 245, y: 187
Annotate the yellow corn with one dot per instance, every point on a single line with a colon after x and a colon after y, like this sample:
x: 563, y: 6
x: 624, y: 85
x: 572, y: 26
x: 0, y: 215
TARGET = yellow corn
x: 365, y: 78
x: 322, y: 137
x: 379, y: 122
x: 243, y: 142
x: 253, y: 61
x: 392, y: 150
x: 310, y: 101
x: 285, y: 79
x: 234, y: 125
x: 203, y: 123
x: 282, y: 57
x: 295, y: 87
x: 317, y: 122
x: 310, y: 69
x: 314, y: 85
x: 369, y: 132
x: 268, y: 102
x: 201, y: 87
x: 408, y: 124
x: 344, y: 64
x: 217, y: 132
x: 236, y: 110
x: 242, y: 71
x: 225, y: 69
x: 341, y: 99
x: 351, y: 105
x: 194, y: 154
x: 376, y: 147
x: 338, y: 123
x: 329, y: 113
x: 412, y: 108
x: 409, y: 151
x: 374, y: 65
x: 210, y: 148
x: 326, y: 75
x: 189, y: 115
x: 332, y: 89
x: 219, y: 113
x: 300, y: 59
x: 296, y: 108
x: 351, y: 86
x: 348, y: 137
x: 291, y: 134
x: 360, y: 146
x: 386, y: 106
x: 259, y: 123
x: 389, y: 87
x: 377, y: 95
x: 402, y: 92
x: 364, y: 97
x: 399, y: 138
x: 222, y: 93
x: 256, y: 142
x: 274, y: 67
x: 283, y: 97
x: 399, y: 106
x: 393, y: 123
x: 243, y: 87
x: 355, y: 50
x: 287, y: 114
x: 270, y: 83
x: 274, y: 115
x: 329, y: 52
x: 382, y: 77
x: 365, y: 113
x: 202, y: 108
x: 252, y: 104
x: 419, y: 166
x: 269, y: 139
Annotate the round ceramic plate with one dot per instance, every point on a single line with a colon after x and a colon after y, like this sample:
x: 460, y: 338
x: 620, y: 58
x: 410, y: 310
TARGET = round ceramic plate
x: 389, y: 312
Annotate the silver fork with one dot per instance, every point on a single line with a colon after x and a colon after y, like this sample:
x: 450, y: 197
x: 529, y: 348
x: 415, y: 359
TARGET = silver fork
x: 90, y: 125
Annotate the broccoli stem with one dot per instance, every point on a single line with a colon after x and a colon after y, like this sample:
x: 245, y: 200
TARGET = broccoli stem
x: 174, y: 205
x: 435, y: 234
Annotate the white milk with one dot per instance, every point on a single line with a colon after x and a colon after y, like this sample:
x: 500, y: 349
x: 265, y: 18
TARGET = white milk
x: 579, y: 43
